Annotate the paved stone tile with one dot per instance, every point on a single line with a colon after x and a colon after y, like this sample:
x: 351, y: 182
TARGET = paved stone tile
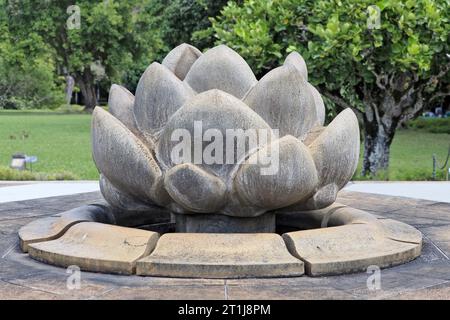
x: 426, y: 277
x: 438, y: 292
x: 167, y: 292
x: 284, y: 292
x: 378, y: 203
x: 440, y: 235
x: 10, y: 291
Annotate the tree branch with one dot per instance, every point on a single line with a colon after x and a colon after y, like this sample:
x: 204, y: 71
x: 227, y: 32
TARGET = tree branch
x: 340, y: 102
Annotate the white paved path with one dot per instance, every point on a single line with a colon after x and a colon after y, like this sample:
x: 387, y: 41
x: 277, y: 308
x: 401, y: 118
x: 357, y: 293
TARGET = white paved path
x: 19, y: 191
x: 30, y: 191
x: 427, y: 190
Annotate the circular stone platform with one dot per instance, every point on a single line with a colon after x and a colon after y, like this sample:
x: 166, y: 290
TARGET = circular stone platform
x: 336, y: 240
x: 426, y: 277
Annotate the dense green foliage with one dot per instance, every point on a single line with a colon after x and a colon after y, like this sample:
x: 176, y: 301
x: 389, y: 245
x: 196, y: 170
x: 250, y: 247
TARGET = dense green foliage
x: 179, y: 21
x: 90, y: 41
x: 341, y: 52
x: 27, y: 72
x: 387, y: 72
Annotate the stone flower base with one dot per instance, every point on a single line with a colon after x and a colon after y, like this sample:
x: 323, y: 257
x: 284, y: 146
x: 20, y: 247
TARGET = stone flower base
x: 334, y: 240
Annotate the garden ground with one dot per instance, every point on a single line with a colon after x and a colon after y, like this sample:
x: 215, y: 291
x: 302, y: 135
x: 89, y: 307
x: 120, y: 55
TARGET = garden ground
x: 61, y: 142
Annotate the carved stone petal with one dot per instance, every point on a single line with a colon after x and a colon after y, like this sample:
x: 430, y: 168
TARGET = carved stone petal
x: 211, y: 111
x: 295, y: 177
x: 122, y: 158
x: 221, y: 68
x: 318, y: 101
x: 296, y: 60
x: 121, y: 102
x: 282, y: 98
x: 158, y: 95
x: 181, y: 59
x: 195, y: 189
x: 336, y: 150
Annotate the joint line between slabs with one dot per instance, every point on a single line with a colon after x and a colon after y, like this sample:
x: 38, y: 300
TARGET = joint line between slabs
x: 8, y: 251
x: 225, y: 289
x: 436, y: 246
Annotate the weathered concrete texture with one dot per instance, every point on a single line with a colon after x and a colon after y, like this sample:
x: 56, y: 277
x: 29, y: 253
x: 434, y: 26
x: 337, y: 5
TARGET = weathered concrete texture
x: 120, y: 105
x: 332, y: 216
x: 123, y: 159
x: 181, y: 59
x: 195, y: 189
x: 352, y: 248
x: 426, y: 277
x: 129, y: 211
x: 296, y: 60
x: 97, y: 247
x: 335, y: 152
x: 221, y: 68
x: 220, y: 256
x: 293, y: 177
x: 159, y: 94
x: 318, y: 102
x: 214, y: 98
x: 217, y: 223
x: 50, y: 228
x: 211, y: 110
x: 283, y: 99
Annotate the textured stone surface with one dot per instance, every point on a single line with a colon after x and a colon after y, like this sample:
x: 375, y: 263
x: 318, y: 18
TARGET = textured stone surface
x: 349, y: 248
x: 318, y: 102
x: 335, y: 152
x: 50, y: 228
x: 212, y: 110
x: 217, y: 223
x: 158, y: 95
x: 195, y: 189
x: 181, y: 59
x: 294, y: 180
x: 426, y: 277
x: 221, y: 68
x: 97, y: 247
x: 123, y: 159
x: 296, y: 60
x: 224, y: 256
x: 172, y: 147
x: 120, y: 105
x: 283, y: 99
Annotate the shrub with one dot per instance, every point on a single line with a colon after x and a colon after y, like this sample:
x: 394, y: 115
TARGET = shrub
x: 433, y: 125
x: 29, y: 86
x: 25, y: 175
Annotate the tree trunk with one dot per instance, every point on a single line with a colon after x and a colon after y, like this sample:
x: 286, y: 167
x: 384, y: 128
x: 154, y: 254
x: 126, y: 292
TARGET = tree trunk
x: 87, y: 87
x: 377, y: 143
x: 70, y: 84
x: 378, y: 135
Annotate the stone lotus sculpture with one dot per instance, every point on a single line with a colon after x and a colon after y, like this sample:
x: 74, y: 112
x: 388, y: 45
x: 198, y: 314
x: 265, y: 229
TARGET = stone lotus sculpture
x: 132, y: 144
x: 225, y: 212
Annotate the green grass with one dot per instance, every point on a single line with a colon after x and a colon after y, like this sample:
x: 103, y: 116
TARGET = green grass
x: 62, y: 143
x: 411, y: 155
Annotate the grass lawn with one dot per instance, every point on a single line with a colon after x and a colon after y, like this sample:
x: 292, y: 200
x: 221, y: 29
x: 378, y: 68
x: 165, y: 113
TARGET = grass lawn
x: 60, y: 141
x: 62, y: 144
x: 412, y: 155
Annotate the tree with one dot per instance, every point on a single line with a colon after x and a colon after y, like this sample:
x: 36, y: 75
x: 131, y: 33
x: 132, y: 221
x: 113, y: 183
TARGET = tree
x: 180, y: 20
x: 387, y: 62
x: 27, y: 77
x: 109, y: 33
